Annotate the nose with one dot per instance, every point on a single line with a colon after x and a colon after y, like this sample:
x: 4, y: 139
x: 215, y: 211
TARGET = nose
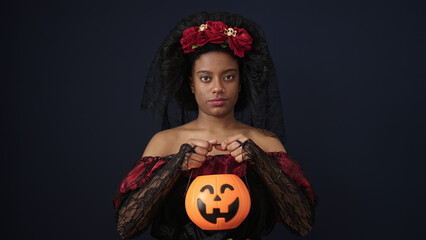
x: 218, y: 87
x: 217, y: 198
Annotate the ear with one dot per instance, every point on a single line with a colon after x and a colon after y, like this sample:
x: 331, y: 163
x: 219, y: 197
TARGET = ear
x: 191, y: 84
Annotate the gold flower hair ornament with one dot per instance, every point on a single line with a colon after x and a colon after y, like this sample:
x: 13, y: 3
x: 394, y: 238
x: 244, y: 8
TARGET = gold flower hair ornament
x: 202, y: 27
x: 230, y: 32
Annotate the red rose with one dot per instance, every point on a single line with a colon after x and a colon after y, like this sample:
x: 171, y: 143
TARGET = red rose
x: 191, y: 37
x: 188, y: 39
x: 215, y: 33
x: 241, y: 43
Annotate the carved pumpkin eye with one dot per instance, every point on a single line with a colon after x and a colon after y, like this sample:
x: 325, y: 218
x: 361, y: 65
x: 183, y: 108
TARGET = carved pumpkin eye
x: 217, y: 208
x: 225, y: 186
x: 209, y: 187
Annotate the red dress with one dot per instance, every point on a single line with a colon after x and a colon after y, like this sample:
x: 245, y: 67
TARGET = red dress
x: 151, y: 186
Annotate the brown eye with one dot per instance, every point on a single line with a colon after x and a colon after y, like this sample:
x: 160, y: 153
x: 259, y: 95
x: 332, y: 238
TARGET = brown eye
x: 205, y: 78
x: 229, y: 77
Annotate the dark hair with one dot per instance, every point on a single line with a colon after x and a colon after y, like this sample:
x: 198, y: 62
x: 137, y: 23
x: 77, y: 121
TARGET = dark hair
x: 255, y: 67
x: 170, y: 71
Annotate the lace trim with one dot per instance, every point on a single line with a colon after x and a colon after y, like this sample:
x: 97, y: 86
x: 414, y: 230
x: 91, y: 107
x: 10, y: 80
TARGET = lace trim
x: 295, y: 208
x: 136, y: 210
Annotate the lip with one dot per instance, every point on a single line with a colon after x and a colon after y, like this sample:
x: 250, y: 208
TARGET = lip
x: 217, y: 101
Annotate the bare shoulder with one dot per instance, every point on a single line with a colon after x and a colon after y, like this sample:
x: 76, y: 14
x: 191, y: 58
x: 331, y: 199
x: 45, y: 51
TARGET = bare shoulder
x: 161, y: 144
x: 266, y: 140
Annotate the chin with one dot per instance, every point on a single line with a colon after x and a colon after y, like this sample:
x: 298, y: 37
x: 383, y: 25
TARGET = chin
x: 220, y: 112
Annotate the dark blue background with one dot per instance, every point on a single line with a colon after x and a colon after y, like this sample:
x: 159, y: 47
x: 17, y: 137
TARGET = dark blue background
x: 352, y: 82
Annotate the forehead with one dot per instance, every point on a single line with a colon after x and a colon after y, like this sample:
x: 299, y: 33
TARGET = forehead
x: 215, y: 62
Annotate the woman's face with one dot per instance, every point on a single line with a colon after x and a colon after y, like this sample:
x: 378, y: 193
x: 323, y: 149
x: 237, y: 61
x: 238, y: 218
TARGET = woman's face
x: 215, y: 82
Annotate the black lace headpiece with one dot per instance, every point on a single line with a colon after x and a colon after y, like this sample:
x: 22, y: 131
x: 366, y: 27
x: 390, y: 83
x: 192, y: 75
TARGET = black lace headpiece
x: 167, y: 92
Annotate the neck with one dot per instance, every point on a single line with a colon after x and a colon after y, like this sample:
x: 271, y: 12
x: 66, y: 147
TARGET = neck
x: 213, y: 123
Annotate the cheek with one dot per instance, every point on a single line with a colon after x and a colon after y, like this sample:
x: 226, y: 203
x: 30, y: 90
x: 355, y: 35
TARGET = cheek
x: 200, y: 97
x: 234, y: 90
x: 201, y: 91
x: 236, y: 85
x: 196, y: 87
x: 198, y: 93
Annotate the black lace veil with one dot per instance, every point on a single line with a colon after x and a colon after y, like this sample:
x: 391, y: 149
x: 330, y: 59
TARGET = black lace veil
x: 167, y: 93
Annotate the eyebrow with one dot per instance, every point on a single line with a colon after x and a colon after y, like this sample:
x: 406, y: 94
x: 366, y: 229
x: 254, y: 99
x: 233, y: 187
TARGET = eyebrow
x: 227, y: 70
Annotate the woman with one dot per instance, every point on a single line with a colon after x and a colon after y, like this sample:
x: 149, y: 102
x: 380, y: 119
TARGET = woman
x: 218, y: 67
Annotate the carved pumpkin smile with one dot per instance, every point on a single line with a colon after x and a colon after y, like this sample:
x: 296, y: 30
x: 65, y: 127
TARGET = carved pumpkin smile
x: 233, y: 209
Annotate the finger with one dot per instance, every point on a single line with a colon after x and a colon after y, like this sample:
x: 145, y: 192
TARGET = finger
x: 233, y: 146
x: 197, y: 157
x: 199, y: 143
x: 231, y: 139
x: 194, y: 161
x: 242, y: 157
x: 201, y: 151
x: 237, y: 152
x: 194, y: 164
x: 219, y: 147
x: 213, y: 141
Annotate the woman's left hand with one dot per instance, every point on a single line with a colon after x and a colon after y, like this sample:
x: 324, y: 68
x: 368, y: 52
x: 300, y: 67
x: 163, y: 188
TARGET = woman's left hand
x: 232, y: 145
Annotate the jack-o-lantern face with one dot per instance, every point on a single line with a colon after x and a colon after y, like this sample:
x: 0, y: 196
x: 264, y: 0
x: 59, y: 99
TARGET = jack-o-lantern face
x: 217, y: 202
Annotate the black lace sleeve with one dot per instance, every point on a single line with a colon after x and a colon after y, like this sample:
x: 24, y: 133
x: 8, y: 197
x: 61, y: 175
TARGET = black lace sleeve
x: 139, y: 198
x: 295, y: 205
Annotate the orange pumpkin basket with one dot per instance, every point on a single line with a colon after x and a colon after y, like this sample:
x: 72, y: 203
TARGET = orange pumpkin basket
x: 217, y: 202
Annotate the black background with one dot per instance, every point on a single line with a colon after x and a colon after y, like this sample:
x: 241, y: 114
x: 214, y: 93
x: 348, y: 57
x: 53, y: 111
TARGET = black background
x: 352, y: 83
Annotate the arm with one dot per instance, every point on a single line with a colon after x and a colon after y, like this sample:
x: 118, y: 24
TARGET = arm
x: 142, y: 192
x: 282, y: 175
x: 147, y: 185
x: 287, y: 183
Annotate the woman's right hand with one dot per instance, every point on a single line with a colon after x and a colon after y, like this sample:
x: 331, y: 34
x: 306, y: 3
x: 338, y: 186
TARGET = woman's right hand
x: 201, y: 149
